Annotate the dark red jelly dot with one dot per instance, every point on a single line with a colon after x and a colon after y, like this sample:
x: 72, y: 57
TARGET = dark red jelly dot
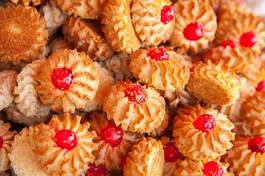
x: 136, y: 93
x: 193, y: 31
x: 123, y: 161
x: 229, y: 43
x: 112, y: 135
x: 204, y: 123
x: 94, y: 170
x: 212, y: 169
x: 66, y: 139
x: 1, y: 142
x: 248, y: 39
x: 261, y: 86
x: 257, y: 144
x: 158, y: 54
x: 171, y: 153
x: 167, y: 14
x: 62, y: 78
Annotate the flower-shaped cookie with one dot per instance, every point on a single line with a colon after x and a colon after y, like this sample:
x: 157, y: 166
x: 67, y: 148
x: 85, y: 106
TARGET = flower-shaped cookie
x: 247, y: 156
x: 146, y: 158
x: 6, y: 141
x: 64, y: 146
x: 195, y: 25
x: 67, y: 81
x: 202, y: 134
x: 160, y: 68
x: 213, y: 84
x: 84, y: 37
x: 114, y: 143
x: 134, y: 108
x: 23, y: 34
x: 27, y: 2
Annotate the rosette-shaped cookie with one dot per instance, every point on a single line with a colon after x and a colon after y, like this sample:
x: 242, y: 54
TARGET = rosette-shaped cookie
x: 253, y: 111
x: 59, y: 44
x: 22, y: 158
x: 153, y: 20
x: 7, y: 84
x: 247, y: 157
x: 105, y: 82
x: 213, y: 3
x: 210, y: 168
x: 22, y: 37
x: 82, y: 8
x: 202, y: 134
x: 164, y: 70
x: 6, y: 141
x: 64, y: 146
x: 243, y: 27
x: 146, y: 158
x: 213, y: 84
x: 53, y: 16
x: 67, y: 81
x: 114, y: 143
x: 118, y: 64
x: 195, y: 25
x: 84, y: 37
x: 134, y: 108
x: 26, y: 98
x: 118, y: 27
x: 27, y: 2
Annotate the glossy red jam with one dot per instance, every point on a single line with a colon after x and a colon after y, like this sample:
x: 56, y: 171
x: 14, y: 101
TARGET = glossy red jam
x: 257, y: 144
x: 248, y: 39
x: 158, y: 54
x: 261, y: 86
x: 66, y: 139
x: 229, y: 43
x: 171, y: 153
x: 212, y: 169
x: 136, y: 93
x: 1, y: 142
x: 94, y: 170
x: 167, y: 14
x: 112, y: 135
x: 204, y: 123
x: 62, y: 78
x: 193, y: 31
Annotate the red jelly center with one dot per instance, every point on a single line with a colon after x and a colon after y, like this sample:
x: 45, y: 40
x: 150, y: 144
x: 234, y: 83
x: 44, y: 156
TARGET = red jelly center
x: 158, y: 54
x: 171, y: 152
x: 167, y: 14
x: 94, y: 170
x: 135, y: 93
x: 229, y: 43
x: 66, y: 139
x: 62, y: 78
x: 248, y: 39
x: 1, y: 142
x: 193, y: 31
x: 261, y: 86
x: 205, y: 123
x: 212, y: 169
x: 257, y: 144
x: 123, y: 161
x: 112, y: 135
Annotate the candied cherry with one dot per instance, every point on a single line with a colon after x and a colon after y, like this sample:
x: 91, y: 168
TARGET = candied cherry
x: 62, y: 78
x: 261, y: 86
x: 94, y: 170
x: 204, y: 123
x: 66, y: 139
x: 229, y: 43
x: 1, y: 142
x: 135, y: 93
x: 212, y: 169
x: 112, y: 135
x: 248, y: 39
x: 158, y: 54
x: 167, y: 14
x: 257, y: 144
x: 193, y: 31
x: 171, y: 152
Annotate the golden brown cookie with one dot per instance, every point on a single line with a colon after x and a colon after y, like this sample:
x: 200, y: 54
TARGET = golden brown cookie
x: 27, y: 2
x: 23, y: 34
x: 118, y: 27
x: 160, y: 68
x: 134, y: 108
x: 153, y: 20
x: 195, y: 25
x: 6, y: 141
x: 247, y: 156
x: 68, y: 80
x: 202, y: 134
x: 146, y: 158
x: 84, y: 37
x: 213, y: 84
